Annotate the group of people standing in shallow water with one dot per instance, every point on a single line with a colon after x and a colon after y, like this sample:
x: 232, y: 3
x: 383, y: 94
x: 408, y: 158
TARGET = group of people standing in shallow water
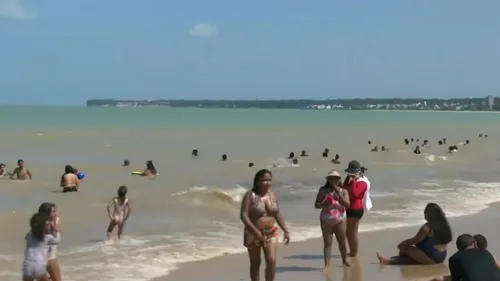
x: 342, y: 205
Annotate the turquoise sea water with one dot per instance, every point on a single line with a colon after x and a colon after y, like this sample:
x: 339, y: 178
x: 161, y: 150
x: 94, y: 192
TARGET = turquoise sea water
x: 31, y: 117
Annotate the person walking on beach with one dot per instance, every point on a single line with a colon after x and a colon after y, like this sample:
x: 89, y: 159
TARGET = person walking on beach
x: 429, y: 245
x: 259, y: 213
x: 37, y: 249
x: 357, y: 185
x: 54, y: 228
x: 332, y: 199
x: 121, y: 212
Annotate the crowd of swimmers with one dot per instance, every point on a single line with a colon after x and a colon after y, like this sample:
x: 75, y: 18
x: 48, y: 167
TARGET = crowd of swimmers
x: 342, y: 205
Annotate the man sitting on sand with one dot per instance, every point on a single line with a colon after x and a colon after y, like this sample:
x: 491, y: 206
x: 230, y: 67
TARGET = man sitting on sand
x: 472, y: 262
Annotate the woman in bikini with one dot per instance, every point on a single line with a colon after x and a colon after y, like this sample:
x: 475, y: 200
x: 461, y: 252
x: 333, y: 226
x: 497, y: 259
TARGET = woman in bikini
x: 259, y: 213
x: 69, y: 180
x: 54, y: 228
x: 429, y: 245
x: 332, y: 199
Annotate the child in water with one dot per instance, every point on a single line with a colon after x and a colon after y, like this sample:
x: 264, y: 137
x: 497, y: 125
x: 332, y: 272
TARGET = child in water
x: 36, y: 253
x: 120, y: 213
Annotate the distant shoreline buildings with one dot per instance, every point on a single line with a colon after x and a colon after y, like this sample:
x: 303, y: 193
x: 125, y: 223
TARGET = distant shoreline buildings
x: 490, y: 103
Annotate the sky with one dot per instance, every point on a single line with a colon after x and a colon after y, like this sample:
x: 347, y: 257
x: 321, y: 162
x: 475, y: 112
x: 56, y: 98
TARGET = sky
x: 63, y: 52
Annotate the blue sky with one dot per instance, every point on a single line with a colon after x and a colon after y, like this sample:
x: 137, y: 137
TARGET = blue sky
x: 66, y: 51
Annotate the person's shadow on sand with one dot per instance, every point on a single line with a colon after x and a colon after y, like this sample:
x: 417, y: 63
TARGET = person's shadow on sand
x: 308, y: 257
x: 287, y: 269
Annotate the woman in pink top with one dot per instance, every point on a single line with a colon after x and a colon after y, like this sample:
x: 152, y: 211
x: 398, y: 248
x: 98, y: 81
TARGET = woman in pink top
x: 332, y: 199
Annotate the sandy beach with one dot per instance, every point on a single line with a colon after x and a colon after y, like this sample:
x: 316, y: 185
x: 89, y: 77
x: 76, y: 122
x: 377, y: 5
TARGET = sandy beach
x: 304, y: 261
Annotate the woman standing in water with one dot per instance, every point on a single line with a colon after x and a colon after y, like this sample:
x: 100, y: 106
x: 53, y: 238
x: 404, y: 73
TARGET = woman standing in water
x: 332, y: 199
x: 357, y: 186
x: 259, y: 213
x: 69, y: 180
x: 54, y: 228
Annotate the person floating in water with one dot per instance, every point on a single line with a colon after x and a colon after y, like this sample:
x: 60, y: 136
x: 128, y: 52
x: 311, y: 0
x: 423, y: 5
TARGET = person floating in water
x: 126, y: 163
x: 150, y: 169
x: 250, y: 165
x: 336, y: 160
x: 407, y: 142
x: 417, y: 150
x: 69, y: 180
x: 291, y: 155
x: 194, y: 153
x: 224, y: 157
x: 374, y: 149
x: 325, y: 152
x: 304, y: 154
x: 120, y: 213
x: 295, y: 161
x: 20, y: 172
x: 36, y: 253
x: 384, y: 148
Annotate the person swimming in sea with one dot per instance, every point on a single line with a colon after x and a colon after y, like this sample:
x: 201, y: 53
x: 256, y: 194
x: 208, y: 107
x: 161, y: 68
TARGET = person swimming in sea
x: 417, y: 150
x: 69, y: 180
x: 295, y: 161
x: 20, y: 172
x: 336, y: 160
x: 250, y: 165
x: 36, y: 253
x: 194, y: 153
x: 120, y: 213
x: 3, y: 171
x: 224, y: 157
x: 303, y: 153
x: 406, y: 142
x: 325, y: 153
x: 384, y: 148
x: 374, y: 149
x: 453, y: 149
x: 291, y: 155
x: 150, y: 169
x: 126, y: 163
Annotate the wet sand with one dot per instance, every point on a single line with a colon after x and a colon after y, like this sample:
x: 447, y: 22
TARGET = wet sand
x: 303, y: 260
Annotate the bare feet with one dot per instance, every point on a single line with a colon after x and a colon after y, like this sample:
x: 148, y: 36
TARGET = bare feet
x: 382, y: 260
x: 346, y: 263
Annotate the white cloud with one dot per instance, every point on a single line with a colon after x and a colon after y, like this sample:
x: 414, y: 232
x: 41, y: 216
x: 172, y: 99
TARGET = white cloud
x: 14, y: 9
x: 203, y: 30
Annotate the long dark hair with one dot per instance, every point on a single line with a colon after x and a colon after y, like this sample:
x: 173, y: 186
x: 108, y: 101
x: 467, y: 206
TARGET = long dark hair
x: 438, y: 223
x: 150, y: 166
x: 38, y: 223
x: 258, y: 177
x: 45, y: 208
x: 68, y: 169
x: 481, y: 242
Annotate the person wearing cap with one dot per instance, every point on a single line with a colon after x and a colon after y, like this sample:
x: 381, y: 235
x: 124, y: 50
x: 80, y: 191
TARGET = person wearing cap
x: 332, y: 199
x: 357, y: 185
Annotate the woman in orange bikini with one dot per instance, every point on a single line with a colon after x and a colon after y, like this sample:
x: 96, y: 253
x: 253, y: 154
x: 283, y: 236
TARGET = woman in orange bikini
x: 260, y: 213
x: 332, y: 199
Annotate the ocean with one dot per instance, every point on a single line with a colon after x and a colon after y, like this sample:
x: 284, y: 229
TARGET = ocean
x: 190, y: 211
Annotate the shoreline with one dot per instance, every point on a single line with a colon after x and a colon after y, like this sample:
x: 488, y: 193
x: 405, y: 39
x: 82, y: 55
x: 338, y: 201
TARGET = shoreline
x: 297, y: 262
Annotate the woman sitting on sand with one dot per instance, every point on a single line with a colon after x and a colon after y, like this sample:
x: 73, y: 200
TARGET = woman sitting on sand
x: 260, y: 213
x: 69, y: 180
x: 332, y: 199
x: 429, y: 245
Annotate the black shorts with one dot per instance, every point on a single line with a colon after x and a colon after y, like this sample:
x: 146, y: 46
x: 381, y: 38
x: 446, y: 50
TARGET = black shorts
x: 355, y: 213
x: 70, y: 189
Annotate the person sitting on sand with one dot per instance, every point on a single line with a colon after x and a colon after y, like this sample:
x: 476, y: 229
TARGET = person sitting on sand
x: 417, y: 150
x: 429, y: 245
x: 304, y: 154
x: 481, y: 243
x: 374, y: 149
x: 224, y: 157
x: 471, y: 263
x: 20, y: 172
x: 336, y: 160
x: 260, y: 213
x: 69, y: 180
x: 150, y: 169
x: 332, y: 199
x: 291, y: 155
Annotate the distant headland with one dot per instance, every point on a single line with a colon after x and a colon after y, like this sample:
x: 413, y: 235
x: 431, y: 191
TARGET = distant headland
x: 489, y: 103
